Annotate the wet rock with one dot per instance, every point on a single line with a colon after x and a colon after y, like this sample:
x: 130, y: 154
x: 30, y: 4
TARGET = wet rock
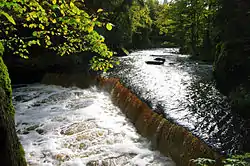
x: 154, y: 62
x: 67, y: 132
x: 25, y: 132
x: 23, y: 98
x: 156, y: 55
x: 78, y: 105
x: 61, y: 157
x: 40, y: 131
x: 78, y: 93
x: 33, y: 127
x: 100, y: 163
x: 82, y: 146
x: 28, y: 129
x: 36, y: 105
x: 160, y: 59
x: 160, y: 110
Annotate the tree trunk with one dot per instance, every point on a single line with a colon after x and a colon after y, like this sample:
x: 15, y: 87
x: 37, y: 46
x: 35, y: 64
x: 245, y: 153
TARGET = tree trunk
x: 11, y: 151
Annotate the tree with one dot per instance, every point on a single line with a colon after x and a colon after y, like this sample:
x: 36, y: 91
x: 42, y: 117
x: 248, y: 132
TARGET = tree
x: 232, y: 63
x: 191, y: 23
x: 11, y: 151
x: 59, y: 25
x: 131, y: 21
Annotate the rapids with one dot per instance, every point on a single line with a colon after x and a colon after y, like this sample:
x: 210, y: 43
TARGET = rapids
x: 72, y: 126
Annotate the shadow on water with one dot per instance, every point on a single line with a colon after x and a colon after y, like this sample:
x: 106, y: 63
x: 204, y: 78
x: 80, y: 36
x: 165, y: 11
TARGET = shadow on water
x: 184, y: 92
x: 213, y: 120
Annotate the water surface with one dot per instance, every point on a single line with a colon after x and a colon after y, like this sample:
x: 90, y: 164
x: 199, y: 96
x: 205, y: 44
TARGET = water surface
x: 184, y: 90
x: 76, y: 127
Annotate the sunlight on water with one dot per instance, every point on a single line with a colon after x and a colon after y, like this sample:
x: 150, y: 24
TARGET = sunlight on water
x: 71, y: 126
x: 184, y: 91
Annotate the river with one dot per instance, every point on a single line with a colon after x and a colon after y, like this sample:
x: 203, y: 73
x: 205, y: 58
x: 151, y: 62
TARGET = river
x: 72, y: 126
x: 184, y: 91
x: 76, y: 127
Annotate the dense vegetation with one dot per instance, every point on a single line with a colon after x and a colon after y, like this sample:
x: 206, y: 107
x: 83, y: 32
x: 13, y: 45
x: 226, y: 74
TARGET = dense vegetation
x: 211, y: 30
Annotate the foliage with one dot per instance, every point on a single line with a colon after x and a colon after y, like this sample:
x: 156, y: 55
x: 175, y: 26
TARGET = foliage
x: 11, y: 20
x: 59, y: 25
x: 1, y: 49
x: 235, y: 160
x: 131, y: 21
x: 164, y: 21
x: 4, y: 77
x: 139, y: 17
x: 203, y: 162
x: 190, y: 23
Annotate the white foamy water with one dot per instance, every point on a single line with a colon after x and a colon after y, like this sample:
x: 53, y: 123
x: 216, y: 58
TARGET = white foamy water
x: 71, y: 126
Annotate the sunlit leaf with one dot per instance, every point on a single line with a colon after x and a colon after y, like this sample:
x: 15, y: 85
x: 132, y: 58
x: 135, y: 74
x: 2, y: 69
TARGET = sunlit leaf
x: 90, y: 29
x: 99, y: 10
x: 53, y: 2
x: 109, y: 26
x: 1, y: 49
x: 10, y: 18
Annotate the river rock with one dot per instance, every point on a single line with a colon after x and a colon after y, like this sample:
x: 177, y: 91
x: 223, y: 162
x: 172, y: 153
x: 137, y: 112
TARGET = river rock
x: 154, y: 62
x: 160, y: 59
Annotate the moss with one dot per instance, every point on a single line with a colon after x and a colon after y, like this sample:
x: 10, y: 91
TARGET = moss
x: 11, y: 151
x: 1, y: 49
x: 21, y: 154
x: 6, y: 85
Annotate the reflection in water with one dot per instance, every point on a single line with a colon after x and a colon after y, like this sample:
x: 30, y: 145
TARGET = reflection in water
x: 75, y: 127
x: 185, y: 92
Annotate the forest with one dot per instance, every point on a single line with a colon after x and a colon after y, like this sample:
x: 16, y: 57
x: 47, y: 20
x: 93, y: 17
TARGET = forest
x: 213, y: 31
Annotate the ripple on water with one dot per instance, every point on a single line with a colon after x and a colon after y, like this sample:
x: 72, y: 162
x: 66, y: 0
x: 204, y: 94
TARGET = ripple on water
x: 70, y: 126
x: 185, y: 92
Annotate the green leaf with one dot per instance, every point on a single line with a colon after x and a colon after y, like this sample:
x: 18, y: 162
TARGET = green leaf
x: 109, y: 26
x: 90, y: 29
x: 1, y: 49
x: 125, y: 51
x: 53, y: 2
x: 117, y: 62
x: 99, y: 10
x: 10, y: 18
x: 55, y: 6
x: 34, y: 33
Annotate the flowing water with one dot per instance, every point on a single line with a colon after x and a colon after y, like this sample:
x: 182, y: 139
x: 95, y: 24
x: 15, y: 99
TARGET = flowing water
x: 72, y: 126
x: 184, y: 91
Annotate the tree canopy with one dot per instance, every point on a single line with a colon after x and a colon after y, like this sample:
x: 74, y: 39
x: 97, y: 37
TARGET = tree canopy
x: 59, y: 25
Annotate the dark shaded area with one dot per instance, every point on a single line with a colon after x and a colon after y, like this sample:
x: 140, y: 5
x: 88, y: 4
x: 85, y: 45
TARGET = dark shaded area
x: 24, y: 71
x: 232, y: 63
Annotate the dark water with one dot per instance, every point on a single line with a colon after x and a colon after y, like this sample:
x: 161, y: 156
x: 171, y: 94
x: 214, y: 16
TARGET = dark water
x: 185, y: 91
